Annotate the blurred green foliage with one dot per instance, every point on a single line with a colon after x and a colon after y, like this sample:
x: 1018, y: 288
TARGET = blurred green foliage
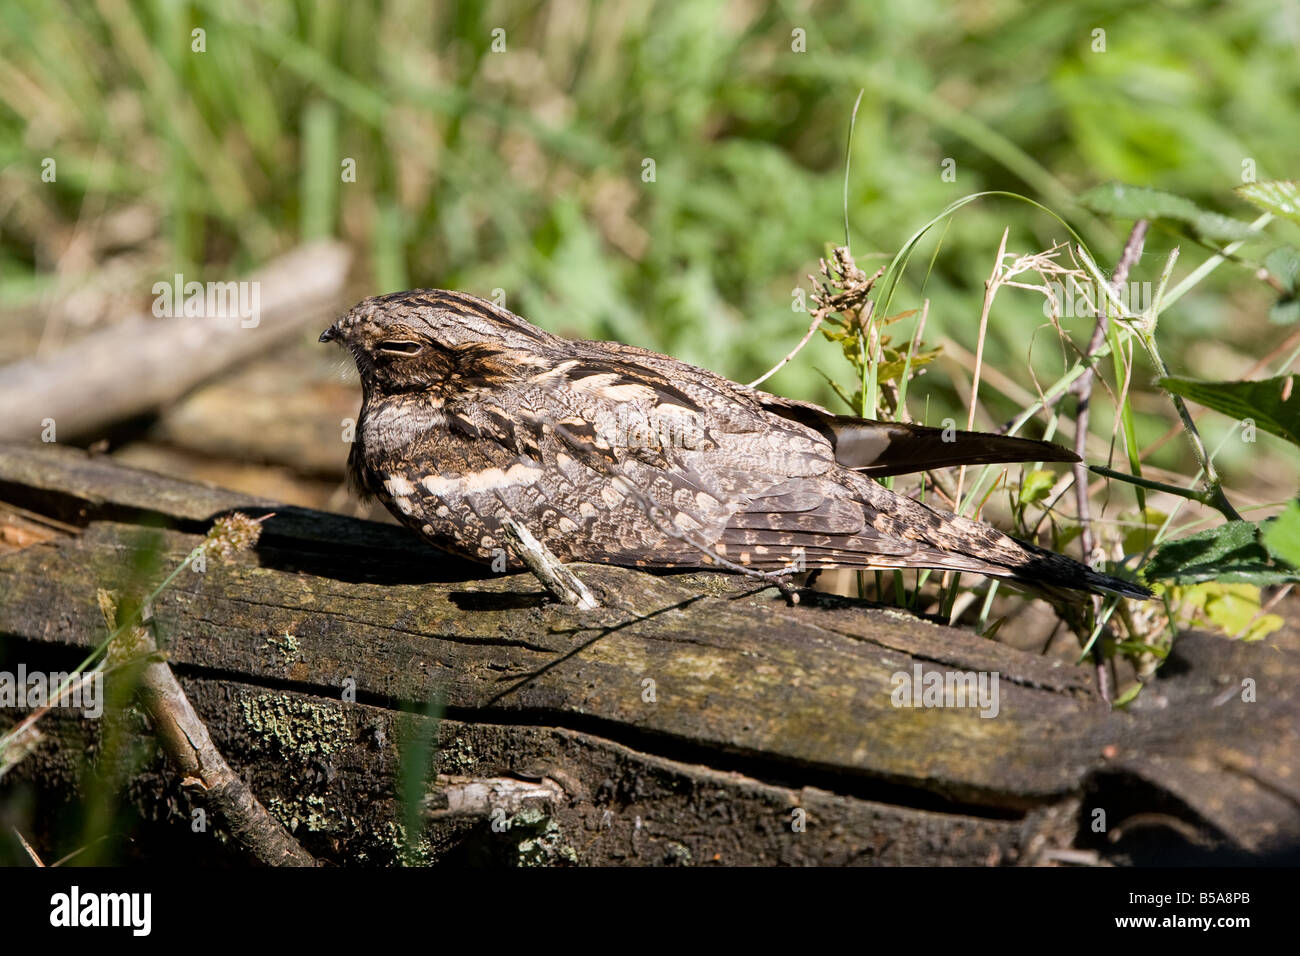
x: 522, y: 169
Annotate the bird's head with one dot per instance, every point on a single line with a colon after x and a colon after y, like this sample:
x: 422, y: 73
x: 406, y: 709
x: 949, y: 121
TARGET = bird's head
x: 408, y: 341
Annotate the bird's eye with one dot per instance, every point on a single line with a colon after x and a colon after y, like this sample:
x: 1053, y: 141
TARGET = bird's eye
x: 402, y: 347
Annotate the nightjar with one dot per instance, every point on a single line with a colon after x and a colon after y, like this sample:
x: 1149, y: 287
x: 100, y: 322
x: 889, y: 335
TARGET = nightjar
x: 612, y: 453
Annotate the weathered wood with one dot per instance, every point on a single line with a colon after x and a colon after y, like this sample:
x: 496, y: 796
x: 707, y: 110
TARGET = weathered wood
x: 288, y: 408
x: 703, y: 708
x: 142, y: 364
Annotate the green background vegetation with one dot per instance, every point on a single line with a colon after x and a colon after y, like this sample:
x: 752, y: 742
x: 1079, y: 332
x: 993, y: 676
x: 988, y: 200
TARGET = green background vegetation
x: 522, y: 170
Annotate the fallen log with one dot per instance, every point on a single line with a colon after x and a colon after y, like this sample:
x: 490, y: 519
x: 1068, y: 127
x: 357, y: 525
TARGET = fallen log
x: 145, y: 363
x: 691, y: 718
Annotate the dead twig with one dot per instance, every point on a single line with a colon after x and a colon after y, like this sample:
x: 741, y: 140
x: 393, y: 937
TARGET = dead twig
x: 184, y: 738
x: 28, y: 847
x: 145, y: 363
x: 484, y: 796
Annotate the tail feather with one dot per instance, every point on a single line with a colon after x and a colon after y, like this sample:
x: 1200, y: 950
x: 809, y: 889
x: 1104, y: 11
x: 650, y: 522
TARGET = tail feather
x: 879, y: 449
x: 944, y: 537
x: 1038, y: 569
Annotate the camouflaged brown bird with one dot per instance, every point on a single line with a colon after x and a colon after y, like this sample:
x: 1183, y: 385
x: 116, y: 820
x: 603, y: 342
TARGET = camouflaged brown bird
x: 612, y: 453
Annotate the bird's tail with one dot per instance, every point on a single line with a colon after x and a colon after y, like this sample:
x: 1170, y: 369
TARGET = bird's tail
x: 1037, y: 568
x: 950, y: 542
x: 880, y: 449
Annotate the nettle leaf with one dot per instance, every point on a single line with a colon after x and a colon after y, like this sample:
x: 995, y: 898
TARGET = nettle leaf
x: 1230, y: 553
x: 1141, y: 202
x: 1278, y: 196
x: 1284, y: 263
x: 1282, y: 535
x: 1270, y: 403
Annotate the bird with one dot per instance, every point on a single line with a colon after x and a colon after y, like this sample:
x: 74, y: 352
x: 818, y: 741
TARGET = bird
x: 611, y: 453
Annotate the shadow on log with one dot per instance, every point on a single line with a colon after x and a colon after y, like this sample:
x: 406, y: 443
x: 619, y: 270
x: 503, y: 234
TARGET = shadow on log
x: 691, y: 719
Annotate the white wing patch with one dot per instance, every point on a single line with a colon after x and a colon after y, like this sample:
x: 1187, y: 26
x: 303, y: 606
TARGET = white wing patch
x: 489, y: 479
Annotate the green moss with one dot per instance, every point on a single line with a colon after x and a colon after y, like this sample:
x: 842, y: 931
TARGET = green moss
x: 306, y: 811
x: 286, y: 644
x: 295, y: 726
x: 547, y: 847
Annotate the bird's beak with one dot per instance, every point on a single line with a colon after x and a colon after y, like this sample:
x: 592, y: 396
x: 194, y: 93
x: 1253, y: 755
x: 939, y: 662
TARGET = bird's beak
x: 329, y: 335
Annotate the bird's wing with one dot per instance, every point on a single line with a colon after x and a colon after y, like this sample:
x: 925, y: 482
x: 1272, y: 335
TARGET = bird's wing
x: 645, y: 465
x: 688, y: 467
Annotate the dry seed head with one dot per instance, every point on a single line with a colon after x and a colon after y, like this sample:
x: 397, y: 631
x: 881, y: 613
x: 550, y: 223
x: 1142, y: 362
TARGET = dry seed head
x: 233, y: 533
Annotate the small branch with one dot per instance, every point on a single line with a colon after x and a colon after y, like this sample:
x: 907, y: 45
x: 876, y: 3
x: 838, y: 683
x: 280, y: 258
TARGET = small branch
x: 145, y: 363
x: 563, y: 584
x: 184, y: 737
x: 1191, y: 494
x: 482, y: 796
x: 1130, y: 256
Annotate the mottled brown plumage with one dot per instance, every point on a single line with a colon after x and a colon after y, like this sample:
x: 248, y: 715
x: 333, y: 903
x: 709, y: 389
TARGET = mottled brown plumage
x: 615, y: 454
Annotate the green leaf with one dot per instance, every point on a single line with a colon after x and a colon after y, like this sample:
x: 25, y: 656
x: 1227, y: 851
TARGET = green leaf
x: 1284, y: 312
x: 1036, y: 486
x: 1140, y: 202
x: 1235, y: 608
x: 1282, y: 535
x: 1129, y: 695
x: 1137, y: 540
x: 1279, y: 196
x: 1229, y: 553
x: 1284, y: 263
x: 1269, y: 403
x: 1137, y: 647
